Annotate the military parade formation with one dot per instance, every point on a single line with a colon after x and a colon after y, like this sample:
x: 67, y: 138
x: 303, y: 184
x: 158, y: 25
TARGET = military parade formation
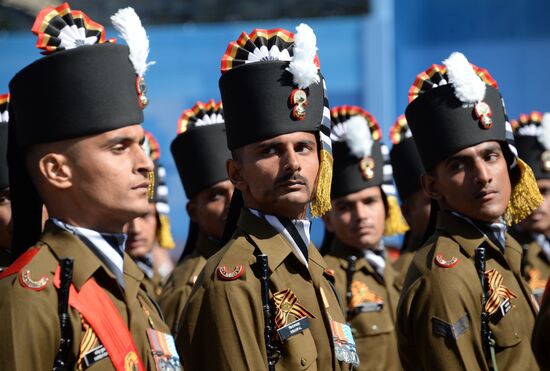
x: 87, y: 281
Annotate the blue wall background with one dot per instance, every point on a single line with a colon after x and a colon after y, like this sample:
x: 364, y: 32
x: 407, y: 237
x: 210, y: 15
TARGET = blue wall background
x: 367, y: 60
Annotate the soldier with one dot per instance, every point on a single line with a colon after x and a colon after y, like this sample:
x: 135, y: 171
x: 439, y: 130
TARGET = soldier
x: 361, y: 214
x: 532, y: 136
x: 415, y: 203
x: 152, y: 230
x: 5, y: 201
x: 200, y: 152
x: 278, y: 127
x: 448, y: 318
x: 74, y: 300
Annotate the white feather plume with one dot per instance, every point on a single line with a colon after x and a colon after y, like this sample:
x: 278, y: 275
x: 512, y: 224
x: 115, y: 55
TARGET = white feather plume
x: 544, y: 135
x: 127, y: 22
x: 302, y: 66
x: 356, y: 133
x: 469, y: 88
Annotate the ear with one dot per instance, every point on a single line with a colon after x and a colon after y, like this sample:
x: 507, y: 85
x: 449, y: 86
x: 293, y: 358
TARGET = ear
x: 56, y: 170
x: 328, y: 224
x: 430, y: 185
x: 192, y: 209
x: 234, y: 171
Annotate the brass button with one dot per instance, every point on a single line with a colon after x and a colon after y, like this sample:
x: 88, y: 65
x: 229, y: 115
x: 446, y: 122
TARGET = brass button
x: 375, y: 327
x: 303, y: 361
x: 516, y: 335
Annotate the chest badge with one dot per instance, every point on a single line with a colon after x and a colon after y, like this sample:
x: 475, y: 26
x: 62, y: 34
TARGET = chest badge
x: 227, y: 275
x: 445, y: 263
x: 36, y: 285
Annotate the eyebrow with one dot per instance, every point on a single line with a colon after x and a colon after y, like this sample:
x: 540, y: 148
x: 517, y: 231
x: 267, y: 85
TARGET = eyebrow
x: 120, y: 139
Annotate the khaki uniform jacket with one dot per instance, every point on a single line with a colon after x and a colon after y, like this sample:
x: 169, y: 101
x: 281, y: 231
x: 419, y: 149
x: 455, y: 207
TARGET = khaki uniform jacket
x: 153, y: 285
x: 222, y: 326
x: 373, y: 331
x: 535, y: 266
x: 177, y: 289
x: 401, y: 265
x: 439, y: 312
x: 30, y: 323
x: 541, y: 337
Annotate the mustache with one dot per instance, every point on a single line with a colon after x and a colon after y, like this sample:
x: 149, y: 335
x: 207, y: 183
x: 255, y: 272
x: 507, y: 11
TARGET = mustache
x: 291, y: 177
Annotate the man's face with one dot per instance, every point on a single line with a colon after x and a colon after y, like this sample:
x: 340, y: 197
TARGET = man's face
x: 142, y: 233
x: 539, y: 221
x: 5, y: 219
x: 358, y: 219
x: 277, y: 175
x: 473, y: 182
x: 416, y: 210
x: 209, y: 208
x: 109, y: 177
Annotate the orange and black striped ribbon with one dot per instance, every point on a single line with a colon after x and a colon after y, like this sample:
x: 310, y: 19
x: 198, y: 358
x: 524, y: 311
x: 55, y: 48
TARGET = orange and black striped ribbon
x: 498, y: 293
x: 89, y: 341
x: 286, y: 303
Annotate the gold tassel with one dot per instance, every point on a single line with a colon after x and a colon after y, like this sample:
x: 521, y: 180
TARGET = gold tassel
x: 320, y: 204
x: 525, y: 198
x: 151, y: 186
x: 164, y: 232
x: 395, y: 222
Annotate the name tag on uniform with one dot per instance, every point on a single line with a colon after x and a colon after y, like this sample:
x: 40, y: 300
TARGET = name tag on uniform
x: 164, y: 350
x: 293, y: 328
x: 369, y: 307
x: 344, y: 345
x: 94, y: 355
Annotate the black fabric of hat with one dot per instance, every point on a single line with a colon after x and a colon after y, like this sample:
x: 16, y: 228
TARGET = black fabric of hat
x: 4, y: 175
x: 442, y: 126
x: 352, y: 172
x: 527, y: 131
x: 200, y: 151
x: 405, y: 160
x: 71, y: 93
x: 257, y: 105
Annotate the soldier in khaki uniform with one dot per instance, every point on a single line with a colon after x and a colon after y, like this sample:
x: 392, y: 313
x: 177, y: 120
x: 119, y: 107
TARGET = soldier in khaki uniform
x: 415, y: 203
x: 278, y: 127
x: 200, y: 152
x: 461, y: 131
x: 75, y: 145
x: 151, y: 231
x: 532, y: 136
x: 360, y: 216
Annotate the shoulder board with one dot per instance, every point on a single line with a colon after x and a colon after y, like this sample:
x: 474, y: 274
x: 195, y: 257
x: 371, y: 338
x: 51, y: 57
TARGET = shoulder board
x: 20, y: 262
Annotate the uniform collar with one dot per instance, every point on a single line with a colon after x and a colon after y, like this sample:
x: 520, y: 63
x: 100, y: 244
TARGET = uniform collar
x: 271, y: 242
x: 65, y: 244
x: 298, y: 236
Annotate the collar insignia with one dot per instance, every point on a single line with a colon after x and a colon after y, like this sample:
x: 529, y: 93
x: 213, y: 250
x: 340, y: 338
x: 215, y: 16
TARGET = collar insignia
x: 27, y: 282
x: 225, y: 275
x: 444, y: 263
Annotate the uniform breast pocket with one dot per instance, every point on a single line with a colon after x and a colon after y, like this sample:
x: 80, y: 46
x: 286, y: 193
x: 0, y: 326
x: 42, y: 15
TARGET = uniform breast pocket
x: 299, y: 352
x: 371, y: 324
x: 507, y: 330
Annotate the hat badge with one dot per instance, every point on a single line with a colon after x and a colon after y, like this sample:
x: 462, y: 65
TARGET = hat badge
x: 298, y: 99
x: 366, y: 166
x: 141, y: 88
x: 545, y: 160
x: 483, y: 113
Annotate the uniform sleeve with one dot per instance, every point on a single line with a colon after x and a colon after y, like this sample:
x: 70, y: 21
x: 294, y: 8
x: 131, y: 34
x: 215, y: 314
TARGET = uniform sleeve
x: 30, y: 328
x: 227, y: 317
x: 438, y: 325
x: 540, y: 335
x: 172, y: 302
